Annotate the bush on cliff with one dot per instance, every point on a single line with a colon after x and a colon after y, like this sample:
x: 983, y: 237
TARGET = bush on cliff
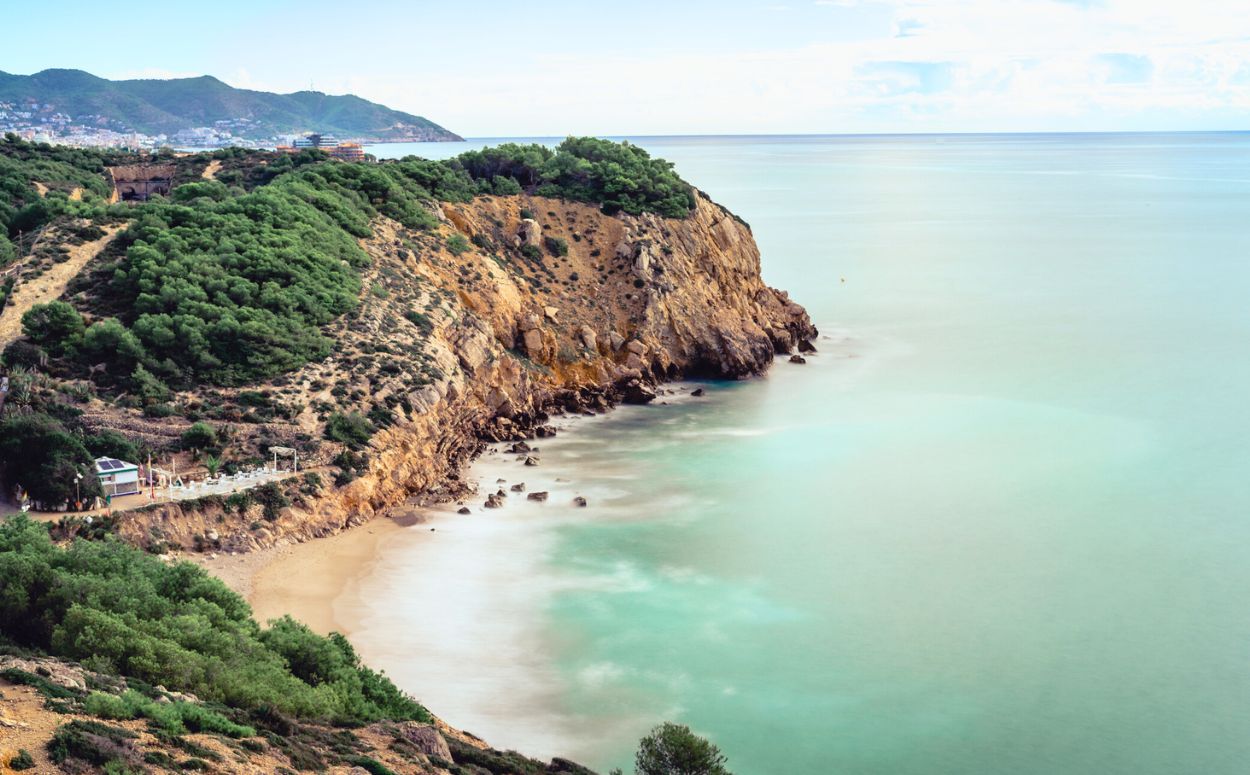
x: 619, y: 177
x: 352, y: 429
x: 121, y: 611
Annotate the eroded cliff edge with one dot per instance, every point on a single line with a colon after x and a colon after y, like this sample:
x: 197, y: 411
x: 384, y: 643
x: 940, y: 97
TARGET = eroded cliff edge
x: 514, y: 309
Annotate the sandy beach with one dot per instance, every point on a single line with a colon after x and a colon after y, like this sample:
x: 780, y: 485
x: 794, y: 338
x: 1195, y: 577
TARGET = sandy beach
x: 305, y: 580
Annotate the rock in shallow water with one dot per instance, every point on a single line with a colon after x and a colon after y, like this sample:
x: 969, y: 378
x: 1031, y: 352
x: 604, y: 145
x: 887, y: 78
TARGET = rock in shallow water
x: 579, y: 501
x: 797, y: 359
x: 537, y: 496
x: 463, y: 510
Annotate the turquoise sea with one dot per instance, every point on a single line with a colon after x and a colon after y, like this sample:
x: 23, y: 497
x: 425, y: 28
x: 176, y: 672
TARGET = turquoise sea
x: 1000, y: 524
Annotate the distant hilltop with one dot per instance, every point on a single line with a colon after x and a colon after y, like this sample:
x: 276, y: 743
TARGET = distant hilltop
x: 78, y: 108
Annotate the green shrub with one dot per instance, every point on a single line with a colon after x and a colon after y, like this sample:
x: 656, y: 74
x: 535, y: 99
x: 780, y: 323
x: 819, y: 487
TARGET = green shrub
x: 556, y: 246
x: 371, y: 765
x: 94, y: 743
x: 40, y: 684
x: 22, y: 760
x: 55, y: 326
x: 351, y: 429
x: 110, y: 443
x: 420, y: 320
x: 531, y: 252
x: 270, y: 496
x: 200, y: 435
x: 457, y: 244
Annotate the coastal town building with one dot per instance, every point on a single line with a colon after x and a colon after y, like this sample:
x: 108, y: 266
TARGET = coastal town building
x: 346, y: 151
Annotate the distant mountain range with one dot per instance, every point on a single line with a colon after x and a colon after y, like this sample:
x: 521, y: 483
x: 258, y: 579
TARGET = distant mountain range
x: 155, y: 107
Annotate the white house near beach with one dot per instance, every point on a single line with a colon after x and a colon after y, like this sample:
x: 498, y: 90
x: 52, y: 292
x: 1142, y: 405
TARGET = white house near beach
x: 117, y: 477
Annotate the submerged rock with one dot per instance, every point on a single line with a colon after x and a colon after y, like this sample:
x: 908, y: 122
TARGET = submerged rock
x: 797, y: 359
x: 697, y: 392
x: 579, y: 501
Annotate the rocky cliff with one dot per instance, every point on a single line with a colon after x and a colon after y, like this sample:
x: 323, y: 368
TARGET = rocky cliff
x: 514, y: 309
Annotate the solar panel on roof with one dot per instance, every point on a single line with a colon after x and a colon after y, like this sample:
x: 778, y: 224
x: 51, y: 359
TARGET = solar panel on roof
x: 109, y: 465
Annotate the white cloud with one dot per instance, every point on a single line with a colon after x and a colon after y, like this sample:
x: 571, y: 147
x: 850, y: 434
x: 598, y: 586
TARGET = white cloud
x: 940, y: 65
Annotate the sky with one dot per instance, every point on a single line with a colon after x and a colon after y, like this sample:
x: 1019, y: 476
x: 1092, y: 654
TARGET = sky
x: 486, y: 69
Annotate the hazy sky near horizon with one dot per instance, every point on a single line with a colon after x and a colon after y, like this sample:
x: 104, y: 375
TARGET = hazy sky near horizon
x: 489, y: 68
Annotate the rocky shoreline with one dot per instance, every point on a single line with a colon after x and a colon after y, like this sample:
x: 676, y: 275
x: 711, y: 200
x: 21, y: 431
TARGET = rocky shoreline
x: 615, y: 307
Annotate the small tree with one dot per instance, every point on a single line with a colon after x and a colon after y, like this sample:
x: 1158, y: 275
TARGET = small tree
x: 201, y: 435
x: 672, y: 749
x: 56, y: 326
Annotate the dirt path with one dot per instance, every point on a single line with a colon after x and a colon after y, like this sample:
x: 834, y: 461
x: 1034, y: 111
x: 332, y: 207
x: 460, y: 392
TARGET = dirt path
x: 48, y: 286
x: 210, y: 172
x: 41, y: 188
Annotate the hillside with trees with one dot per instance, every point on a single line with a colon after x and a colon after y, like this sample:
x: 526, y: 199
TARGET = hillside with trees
x: 167, y: 106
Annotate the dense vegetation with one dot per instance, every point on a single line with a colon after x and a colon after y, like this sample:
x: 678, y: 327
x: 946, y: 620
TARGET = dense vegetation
x: 44, y: 458
x: 232, y: 281
x: 120, y: 611
x: 167, y: 106
x: 617, y: 176
x: 23, y: 209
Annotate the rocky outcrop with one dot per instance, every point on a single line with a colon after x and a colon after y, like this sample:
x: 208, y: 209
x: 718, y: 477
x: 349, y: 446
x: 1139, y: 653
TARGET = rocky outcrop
x: 481, y: 346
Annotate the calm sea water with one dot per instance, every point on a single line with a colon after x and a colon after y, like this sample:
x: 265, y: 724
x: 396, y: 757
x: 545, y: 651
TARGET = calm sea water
x: 1001, y: 524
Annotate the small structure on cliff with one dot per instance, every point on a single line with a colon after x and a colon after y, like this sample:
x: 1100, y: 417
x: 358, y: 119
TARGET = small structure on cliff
x: 138, y: 182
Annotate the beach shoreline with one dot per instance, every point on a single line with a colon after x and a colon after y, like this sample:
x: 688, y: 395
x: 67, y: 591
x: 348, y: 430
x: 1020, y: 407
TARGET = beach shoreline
x: 314, y: 581
x: 304, y: 580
